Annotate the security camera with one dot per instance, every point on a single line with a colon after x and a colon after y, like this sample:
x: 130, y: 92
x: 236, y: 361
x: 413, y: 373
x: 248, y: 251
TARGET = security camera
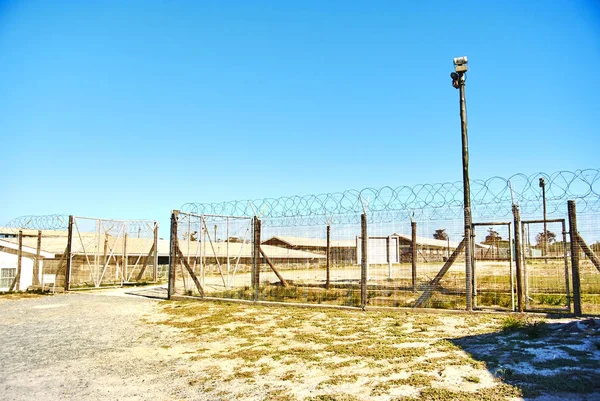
x: 455, y: 79
x: 460, y: 64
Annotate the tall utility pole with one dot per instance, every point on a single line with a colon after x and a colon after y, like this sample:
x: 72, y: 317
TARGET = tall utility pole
x: 545, y: 236
x: 458, y: 82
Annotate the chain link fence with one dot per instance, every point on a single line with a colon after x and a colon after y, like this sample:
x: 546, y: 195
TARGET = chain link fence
x: 408, y: 249
x: 69, y: 252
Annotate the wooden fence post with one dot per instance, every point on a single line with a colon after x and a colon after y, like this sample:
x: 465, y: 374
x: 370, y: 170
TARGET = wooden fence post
x: 173, y: 254
x: 16, y: 283
x: 413, y: 247
x: 364, y: 260
x: 328, y: 266
x: 69, y: 255
x: 574, y: 257
x: 518, y: 256
x: 388, y: 244
x: 125, y: 259
x: 36, y: 266
x: 256, y: 258
x: 155, y: 270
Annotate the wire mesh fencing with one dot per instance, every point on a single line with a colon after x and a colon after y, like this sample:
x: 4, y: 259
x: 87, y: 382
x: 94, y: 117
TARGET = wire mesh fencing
x: 105, y: 252
x: 387, y: 247
x: 78, y: 252
x: 410, y: 248
x: 211, y: 255
x: 587, y: 258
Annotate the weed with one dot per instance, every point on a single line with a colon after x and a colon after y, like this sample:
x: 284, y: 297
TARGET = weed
x: 512, y: 323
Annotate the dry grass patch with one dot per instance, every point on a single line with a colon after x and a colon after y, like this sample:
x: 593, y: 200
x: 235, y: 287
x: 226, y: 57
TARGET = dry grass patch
x: 284, y: 353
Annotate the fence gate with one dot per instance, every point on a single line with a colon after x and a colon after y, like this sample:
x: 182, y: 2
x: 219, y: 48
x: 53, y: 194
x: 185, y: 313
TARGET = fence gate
x: 111, y: 252
x: 493, y: 268
x: 211, y: 255
x: 545, y: 265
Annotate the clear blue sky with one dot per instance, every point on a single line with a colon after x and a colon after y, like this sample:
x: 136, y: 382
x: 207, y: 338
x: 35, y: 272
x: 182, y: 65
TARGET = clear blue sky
x: 130, y: 109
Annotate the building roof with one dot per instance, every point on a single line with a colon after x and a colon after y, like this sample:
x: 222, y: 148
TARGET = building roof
x: 435, y: 243
x: 28, y: 232
x: 92, y: 245
x: 313, y: 242
x: 244, y: 250
x: 4, y: 244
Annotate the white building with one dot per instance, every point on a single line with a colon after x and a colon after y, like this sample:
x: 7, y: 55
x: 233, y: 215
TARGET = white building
x: 9, y: 261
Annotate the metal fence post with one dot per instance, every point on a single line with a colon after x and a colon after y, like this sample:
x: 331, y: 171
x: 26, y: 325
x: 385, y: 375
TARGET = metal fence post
x: 364, y: 259
x: 517, y: 229
x: 173, y: 253
x: 574, y: 257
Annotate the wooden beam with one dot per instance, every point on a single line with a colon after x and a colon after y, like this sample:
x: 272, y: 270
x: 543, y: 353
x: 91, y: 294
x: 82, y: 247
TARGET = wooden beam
x: 328, y: 265
x: 16, y: 281
x: 518, y: 258
x: 364, y: 263
x: 436, y: 280
x: 413, y: 248
x: 139, y: 276
x: 38, y: 251
x: 69, y: 255
x: 174, y: 245
x: 574, y: 257
x: 190, y: 271
x: 588, y: 252
x: 256, y: 258
x: 155, y: 259
x: 279, y: 276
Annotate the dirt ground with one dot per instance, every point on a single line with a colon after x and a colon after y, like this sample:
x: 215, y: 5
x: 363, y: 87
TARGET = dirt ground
x: 112, y: 345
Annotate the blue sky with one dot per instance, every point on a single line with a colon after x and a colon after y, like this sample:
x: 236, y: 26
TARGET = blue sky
x: 130, y: 109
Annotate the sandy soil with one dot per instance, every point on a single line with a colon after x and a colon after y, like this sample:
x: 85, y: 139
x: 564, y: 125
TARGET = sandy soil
x: 111, y: 345
x: 90, y: 346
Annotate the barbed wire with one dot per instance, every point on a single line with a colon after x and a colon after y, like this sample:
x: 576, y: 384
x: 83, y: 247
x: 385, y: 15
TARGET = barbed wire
x: 43, y: 222
x: 491, y: 198
x: 61, y: 222
x: 443, y: 201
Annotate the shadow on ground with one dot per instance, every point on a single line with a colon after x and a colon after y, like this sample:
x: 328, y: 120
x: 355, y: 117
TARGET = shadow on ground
x: 545, y: 360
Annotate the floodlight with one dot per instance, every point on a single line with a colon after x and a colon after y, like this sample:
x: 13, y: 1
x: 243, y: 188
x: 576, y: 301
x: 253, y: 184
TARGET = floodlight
x: 460, y: 64
x: 460, y: 60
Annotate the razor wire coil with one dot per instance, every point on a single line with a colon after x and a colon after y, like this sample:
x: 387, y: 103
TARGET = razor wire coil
x: 491, y: 198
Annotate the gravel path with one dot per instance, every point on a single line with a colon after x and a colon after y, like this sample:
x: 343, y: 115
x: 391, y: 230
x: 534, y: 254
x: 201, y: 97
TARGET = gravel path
x: 89, y: 346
